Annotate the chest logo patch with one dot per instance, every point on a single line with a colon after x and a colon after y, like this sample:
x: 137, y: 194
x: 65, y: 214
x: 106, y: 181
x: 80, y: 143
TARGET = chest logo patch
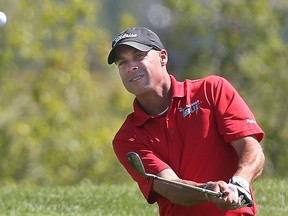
x: 189, y: 109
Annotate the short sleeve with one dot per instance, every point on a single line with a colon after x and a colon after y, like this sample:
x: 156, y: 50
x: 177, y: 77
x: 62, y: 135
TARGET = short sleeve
x: 233, y: 117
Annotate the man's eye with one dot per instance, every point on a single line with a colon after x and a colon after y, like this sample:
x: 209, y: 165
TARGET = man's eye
x: 140, y: 56
x: 119, y: 63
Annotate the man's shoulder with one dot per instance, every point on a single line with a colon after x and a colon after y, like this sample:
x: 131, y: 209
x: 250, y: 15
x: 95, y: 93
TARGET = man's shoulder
x: 127, y: 125
x: 128, y: 121
x: 212, y: 80
x: 209, y: 78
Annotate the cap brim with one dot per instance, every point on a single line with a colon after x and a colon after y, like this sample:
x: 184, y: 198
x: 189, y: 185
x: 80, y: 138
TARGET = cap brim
x: 138, y: 46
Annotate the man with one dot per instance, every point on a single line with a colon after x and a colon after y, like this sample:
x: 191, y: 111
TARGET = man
x: 198, y: 132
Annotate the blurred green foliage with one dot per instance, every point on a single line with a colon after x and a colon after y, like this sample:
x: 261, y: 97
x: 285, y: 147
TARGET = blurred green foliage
x: 61, y: 104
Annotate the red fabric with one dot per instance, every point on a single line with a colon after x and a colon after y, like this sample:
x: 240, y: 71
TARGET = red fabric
x: 192, y: 139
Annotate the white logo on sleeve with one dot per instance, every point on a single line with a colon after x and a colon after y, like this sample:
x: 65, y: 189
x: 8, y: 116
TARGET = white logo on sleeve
x: 251, y: 121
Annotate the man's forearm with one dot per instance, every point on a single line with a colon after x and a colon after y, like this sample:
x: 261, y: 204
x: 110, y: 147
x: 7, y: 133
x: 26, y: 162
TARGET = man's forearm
x: 180, y: 195
x: 251, y: 158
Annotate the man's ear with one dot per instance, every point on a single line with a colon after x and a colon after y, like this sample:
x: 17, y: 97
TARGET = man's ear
x: 163, y: 57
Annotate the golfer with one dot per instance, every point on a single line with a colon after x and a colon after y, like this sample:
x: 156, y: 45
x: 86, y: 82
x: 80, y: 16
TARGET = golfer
x: 198, y: 132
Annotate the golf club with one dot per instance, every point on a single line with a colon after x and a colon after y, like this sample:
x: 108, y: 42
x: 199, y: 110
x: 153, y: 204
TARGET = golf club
x: 136, y: 163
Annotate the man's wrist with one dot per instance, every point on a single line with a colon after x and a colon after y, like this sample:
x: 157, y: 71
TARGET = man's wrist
x: 240, y: 181
x: 243, y: 188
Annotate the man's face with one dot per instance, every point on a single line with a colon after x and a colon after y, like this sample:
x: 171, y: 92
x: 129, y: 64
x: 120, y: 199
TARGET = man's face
x: 141, y: 72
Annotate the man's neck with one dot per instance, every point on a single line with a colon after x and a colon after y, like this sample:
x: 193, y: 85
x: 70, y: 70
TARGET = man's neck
x: 155, y: 103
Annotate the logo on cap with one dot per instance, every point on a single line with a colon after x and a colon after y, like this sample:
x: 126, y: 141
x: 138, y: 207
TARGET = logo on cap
x: 125, y: 35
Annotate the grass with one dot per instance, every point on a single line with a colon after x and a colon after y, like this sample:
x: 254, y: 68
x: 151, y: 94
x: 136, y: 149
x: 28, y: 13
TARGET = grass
x: 106, y: 200
x: 272, y: 197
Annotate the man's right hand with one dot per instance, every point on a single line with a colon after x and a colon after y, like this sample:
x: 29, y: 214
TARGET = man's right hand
x: 230, y: 199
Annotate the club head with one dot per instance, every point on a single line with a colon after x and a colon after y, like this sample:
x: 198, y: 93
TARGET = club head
x: 136, y: 163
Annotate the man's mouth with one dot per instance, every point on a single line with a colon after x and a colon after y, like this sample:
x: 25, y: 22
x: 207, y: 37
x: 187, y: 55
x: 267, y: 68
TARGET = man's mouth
x: 134, y: 79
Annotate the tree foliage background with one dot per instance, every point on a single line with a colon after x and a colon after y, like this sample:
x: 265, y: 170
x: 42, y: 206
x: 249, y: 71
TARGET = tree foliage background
x: 61, y: 104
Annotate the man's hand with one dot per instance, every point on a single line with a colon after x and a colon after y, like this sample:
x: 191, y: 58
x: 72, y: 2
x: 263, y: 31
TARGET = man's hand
x: 230, y: 199
x: 242, y: 186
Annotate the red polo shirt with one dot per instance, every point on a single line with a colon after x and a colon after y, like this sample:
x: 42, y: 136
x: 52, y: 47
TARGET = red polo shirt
x: 192, y: 138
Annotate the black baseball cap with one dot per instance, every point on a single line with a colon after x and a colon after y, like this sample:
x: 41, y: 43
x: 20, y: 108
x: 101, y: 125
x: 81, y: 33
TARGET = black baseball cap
x: 140, y: 38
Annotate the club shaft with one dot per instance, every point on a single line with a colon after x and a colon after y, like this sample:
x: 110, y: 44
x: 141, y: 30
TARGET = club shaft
x: 136, y: 163
x: 199, y: 189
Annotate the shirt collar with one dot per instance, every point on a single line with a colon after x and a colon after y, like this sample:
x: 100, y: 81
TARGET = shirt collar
x: 178, y: 88
x: 140, y: 117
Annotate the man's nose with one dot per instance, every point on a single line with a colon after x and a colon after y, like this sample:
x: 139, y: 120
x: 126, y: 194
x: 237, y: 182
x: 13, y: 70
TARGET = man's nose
x: 132, y: 66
